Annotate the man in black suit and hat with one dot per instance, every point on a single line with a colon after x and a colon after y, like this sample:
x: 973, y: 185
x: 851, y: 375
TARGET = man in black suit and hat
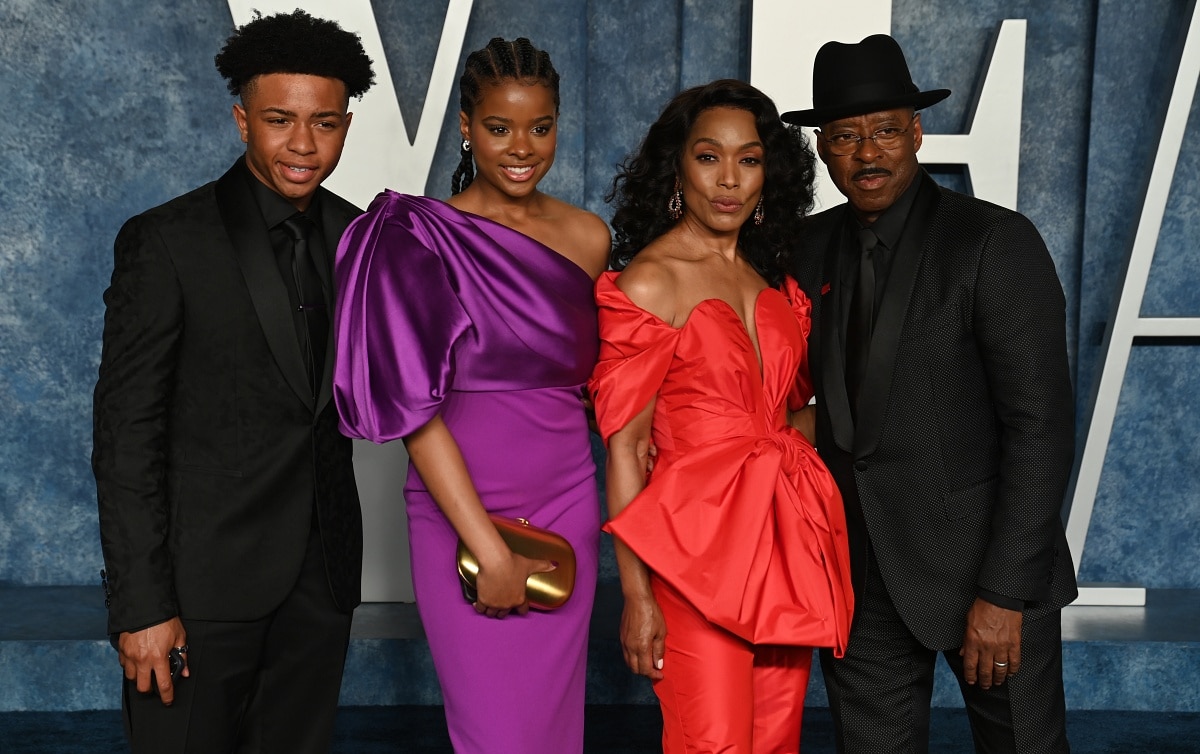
x: 944, y: 411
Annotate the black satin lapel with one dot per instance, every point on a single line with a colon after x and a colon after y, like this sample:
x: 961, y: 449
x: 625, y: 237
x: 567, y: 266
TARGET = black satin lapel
x: 833, y: 359
x: 893, y: 309
x: 335, y: 216
x: 252, y: 246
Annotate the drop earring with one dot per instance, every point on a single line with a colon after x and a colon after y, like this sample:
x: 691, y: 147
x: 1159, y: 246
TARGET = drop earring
x: 675, y: 203
x: 758, y: 211
x: 466, y: 145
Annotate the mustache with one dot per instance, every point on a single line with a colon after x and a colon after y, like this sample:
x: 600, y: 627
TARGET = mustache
x: 865, y: 172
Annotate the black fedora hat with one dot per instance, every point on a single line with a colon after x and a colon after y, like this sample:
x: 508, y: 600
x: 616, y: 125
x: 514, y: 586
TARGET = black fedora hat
x: 856, y: 79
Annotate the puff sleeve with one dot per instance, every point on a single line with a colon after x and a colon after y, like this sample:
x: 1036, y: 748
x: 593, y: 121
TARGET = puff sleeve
x: 635, y: 353
x: 398, y: 324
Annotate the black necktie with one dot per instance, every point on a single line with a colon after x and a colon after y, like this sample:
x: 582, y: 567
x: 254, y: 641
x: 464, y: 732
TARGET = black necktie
x: 862, y: 318
x: 312, y: 300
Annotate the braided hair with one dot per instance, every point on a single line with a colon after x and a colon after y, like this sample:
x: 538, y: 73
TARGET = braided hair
x: 499, y: 61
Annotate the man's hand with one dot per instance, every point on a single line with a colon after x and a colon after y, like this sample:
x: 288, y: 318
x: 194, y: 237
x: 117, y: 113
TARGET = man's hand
x: 145, y: 652
x: 991, y: 649
x: 804, y: 421
x: 589, y: 409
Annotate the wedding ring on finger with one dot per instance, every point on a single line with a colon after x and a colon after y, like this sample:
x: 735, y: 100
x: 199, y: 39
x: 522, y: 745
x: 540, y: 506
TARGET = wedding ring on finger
x: 1000, y: 664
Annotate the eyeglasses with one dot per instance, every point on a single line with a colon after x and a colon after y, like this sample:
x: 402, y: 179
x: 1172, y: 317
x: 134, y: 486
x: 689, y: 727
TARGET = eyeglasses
x: 843, y: 144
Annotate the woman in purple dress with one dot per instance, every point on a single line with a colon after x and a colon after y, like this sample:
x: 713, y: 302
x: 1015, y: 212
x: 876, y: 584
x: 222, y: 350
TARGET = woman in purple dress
x: 467, y: 328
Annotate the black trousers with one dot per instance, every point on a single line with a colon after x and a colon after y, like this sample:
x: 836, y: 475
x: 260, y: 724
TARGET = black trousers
x: 880, y: 692
x: 256, y: 687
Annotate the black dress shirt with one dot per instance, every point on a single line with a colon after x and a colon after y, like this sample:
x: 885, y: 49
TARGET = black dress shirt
x: 275, y: 209
x: 888, y: 228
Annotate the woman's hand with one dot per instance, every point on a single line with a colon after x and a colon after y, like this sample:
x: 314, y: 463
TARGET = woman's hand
x: 643, y: 630
x: 500, y: 586
x: 643, y: 636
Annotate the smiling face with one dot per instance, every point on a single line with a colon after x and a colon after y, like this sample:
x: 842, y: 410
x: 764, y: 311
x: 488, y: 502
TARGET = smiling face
x: 513, y: 133
x: 721, y: 170
x: 871, y: 178
x: 294, y: 126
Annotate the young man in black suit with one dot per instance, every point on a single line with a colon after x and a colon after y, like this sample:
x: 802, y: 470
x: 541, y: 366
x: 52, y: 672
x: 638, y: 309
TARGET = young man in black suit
x: 944, y: 412
x: 229, y: 515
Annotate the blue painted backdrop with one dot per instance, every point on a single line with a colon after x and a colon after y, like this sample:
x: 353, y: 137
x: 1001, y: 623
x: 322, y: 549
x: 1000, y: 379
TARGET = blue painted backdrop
x: 114, y: 107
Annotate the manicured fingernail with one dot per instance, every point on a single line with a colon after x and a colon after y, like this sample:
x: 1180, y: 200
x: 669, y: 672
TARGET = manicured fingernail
x: 658, y: 663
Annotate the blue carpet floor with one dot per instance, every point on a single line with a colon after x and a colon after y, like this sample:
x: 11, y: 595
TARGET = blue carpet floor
x: 611, y: 729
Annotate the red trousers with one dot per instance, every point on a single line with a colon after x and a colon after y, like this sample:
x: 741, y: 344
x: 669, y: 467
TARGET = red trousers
x: 719, y: 693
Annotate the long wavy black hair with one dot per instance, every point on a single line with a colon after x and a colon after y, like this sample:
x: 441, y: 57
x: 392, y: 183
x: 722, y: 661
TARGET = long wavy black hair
x: 501, y: 60
x: 646, y: 178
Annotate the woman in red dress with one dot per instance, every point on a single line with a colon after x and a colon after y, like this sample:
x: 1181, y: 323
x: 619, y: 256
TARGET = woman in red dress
x: 732, y: 552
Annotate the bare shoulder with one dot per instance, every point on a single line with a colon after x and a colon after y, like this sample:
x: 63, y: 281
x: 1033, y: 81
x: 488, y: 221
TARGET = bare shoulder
x: 597, y: 238
x: 586, y: 237
x: 650, y: 281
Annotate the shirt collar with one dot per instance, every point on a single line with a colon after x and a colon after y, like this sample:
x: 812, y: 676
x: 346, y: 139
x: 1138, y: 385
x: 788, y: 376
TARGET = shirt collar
x: 890, y: 223
x: 274, y: 208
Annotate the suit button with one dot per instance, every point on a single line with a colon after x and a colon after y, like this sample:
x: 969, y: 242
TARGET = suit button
x: 860, y: 465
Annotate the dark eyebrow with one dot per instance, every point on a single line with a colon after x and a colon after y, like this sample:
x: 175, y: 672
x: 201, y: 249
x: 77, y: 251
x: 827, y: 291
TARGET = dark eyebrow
x: 889, y: 122
x: 291, y: 114
x: 499, y: 119
x: 715, y: 143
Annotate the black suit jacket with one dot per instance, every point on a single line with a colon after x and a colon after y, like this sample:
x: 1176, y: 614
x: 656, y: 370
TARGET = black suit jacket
x: 957, y: 469
x: 209, y: 448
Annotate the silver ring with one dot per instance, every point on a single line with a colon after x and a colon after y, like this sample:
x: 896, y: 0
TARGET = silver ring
x: 1000, y: 664
x: 182, y: 650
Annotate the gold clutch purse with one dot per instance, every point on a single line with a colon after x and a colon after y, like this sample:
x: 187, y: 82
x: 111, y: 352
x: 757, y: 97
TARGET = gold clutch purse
x: 545, y: 591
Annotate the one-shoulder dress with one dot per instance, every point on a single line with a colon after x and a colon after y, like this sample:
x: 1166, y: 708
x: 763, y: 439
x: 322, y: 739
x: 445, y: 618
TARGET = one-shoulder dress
x: 739, y: 516
x: 445, y: 312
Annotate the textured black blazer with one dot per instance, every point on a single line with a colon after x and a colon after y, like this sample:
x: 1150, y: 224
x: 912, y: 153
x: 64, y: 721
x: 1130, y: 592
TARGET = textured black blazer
x: 965, y: 439
x: 209, y: 447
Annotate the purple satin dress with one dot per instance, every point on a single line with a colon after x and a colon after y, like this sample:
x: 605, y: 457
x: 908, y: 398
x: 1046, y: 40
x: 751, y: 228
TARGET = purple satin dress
x: 441, y: 311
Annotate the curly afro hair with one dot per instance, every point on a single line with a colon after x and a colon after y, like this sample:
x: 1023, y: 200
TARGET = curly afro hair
x: 294, y: 43
x: 646, y: 179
